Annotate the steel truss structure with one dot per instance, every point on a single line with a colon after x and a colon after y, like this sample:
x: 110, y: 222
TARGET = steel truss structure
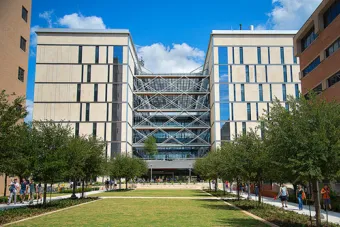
x: 175, y: 109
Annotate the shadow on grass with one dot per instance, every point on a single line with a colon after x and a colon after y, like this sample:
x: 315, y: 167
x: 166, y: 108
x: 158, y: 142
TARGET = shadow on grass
x: 239, y: 222
x: 120, y: 190
x: 215, y: 205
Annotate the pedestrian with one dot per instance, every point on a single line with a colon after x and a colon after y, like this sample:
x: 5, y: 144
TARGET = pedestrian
x: 226, y: 184
x: 31, y: 193
x: 111, y: 184
x: 241, y: 188
x: 13, y: 188
x: 283, y: 195
x: 114, y: 185
x: 107, y: 184
x: 300, y: 195
x: 23, y: 190
x: 39, y: 191
x: 326, y: 196
x: 256, y: 190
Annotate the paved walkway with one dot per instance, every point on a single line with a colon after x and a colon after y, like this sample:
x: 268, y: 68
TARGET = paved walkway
x: 159, y: 197
x: 11, y: 206
x: 333, y: 217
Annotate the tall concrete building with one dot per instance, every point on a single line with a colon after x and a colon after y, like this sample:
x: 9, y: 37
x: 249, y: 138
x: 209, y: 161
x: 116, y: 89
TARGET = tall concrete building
x: 15, y: 20
x: 93, y: 80
x: 317, y: 45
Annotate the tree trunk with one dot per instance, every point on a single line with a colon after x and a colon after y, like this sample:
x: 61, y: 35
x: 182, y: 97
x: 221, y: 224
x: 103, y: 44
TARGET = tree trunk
x: 82, y: 189
x: 238, y: 189
x: 120, y: 183
x: 45, y: 192
x: 5, y: 185
x: 216, y: 185
x: 316, y: 202
x: 126, y: 184
x: 223, y: 186
x: 260, y: 191
x: 248, y: 189
x: 210, y: 185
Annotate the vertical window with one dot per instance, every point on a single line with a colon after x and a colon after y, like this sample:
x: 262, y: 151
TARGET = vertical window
x: 248, y: 112
x: 232, y: 111
x: 78, y: 92
x: 235, y: 129
x: 247, y: 74
x: 231, y: 74
x: 271, y: 92
x: 257, y: 111
x: 118, y: 54
x: 261, y: 92
x: 333, y: 79
x: 282, y: 53
x: 297, y: 92
x: 241, y: 55
x: 97, y: 55
x: 291, y: 73
x: 266, y: 71
x: 308, y: 39
x: 268, y: 55
x: 77, y: 129
x: 284, y: 92
x: 242, y: 93
x: 287, y: 106
x: 234, y: 92
x: 259, y: 61
x: 332, y: 12
x: 21, y: 74
x: 23, y: 43
x: 223, y: 73
x: 222, y: 55
x: 95, y: 93
x: 24, y: 13
x: 285, y: 74
x: 244, y: 128
x: 294, y: 57
x: 94, y: 130
x: 233, y: 50
x: 80, y: 54
x: 88, y: 73
x: 87, y: 117
x: 255, y: 68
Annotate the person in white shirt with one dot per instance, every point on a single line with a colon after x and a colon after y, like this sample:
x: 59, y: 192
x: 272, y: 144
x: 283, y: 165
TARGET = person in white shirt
x: 283, y: 195
x: 13, y: 188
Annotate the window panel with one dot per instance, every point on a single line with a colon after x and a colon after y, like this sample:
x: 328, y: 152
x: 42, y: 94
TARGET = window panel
x: 223, y: 73
x: 284, y: 92
x: 23, y: 43
x: 285, y: 73
x: 282, y: 54
x: 244, y: 128
x: 261, y: 92
x: 247, y: 73
x: 118, y: 54
x: 24, y: 14
x: 268, y: 55
x: 308, y: 39
x: 78, y: 92
x: 87, y: 116
x: 224, y: 112
x: 21, y: 74
x: 242, y: 93
x: 97, y: 55
x: 241, y: 55
x: 223, y: 55
x: 311, y: 66
x: 224, y: 93
x: 88, y: 73
x: 259, y: 60
x: 332, y: 12
x: 80, y: 54
x: 334, y: 47
x: 248, y: 112
x: 334, y: 79
x: 297, y: 92
x: 95, y: 93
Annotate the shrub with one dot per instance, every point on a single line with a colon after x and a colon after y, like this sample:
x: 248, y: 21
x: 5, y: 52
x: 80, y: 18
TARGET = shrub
x: 78, y: 190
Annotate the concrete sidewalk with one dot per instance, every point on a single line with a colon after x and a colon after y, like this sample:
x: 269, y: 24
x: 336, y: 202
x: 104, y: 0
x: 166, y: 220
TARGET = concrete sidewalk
x: 11, y: 206
x: 333, y: 217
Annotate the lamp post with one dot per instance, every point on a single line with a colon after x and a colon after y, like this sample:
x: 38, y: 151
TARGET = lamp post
x: 151, y: 173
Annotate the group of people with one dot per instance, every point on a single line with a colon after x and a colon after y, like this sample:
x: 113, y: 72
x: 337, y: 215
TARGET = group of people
x: 26, y: 187
x: 301, y: 196
x: 110, y: 185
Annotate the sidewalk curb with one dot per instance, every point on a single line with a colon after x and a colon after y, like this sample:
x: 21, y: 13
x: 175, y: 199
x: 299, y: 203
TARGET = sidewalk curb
x: 245, y: 212
x: 48, y: 213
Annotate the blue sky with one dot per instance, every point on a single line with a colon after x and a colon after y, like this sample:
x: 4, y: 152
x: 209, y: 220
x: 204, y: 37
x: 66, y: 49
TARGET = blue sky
x: 175, y: 32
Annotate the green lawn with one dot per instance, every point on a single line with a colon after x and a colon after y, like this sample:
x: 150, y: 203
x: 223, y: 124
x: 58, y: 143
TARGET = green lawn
x: 147, y: 212
x: 155, y: 193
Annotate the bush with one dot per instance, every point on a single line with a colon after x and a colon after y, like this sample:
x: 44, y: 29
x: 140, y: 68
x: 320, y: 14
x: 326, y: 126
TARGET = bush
x: 12, y: 215
x: 78, y: 190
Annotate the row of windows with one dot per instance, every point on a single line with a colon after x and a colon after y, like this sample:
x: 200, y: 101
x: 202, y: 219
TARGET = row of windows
x: 311, y: 66
x: 332, y: 12
x: 24, y: 16
x: 117, y: 54
x: 308, y: 39
x: 225, y: 91
x: 334, y: 47
x: 223, y: 55
x: 226, y: 76
x: 330, y: 82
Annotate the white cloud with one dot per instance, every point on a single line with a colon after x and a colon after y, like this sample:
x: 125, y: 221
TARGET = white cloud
x: 180, y: 58
x: 76, y: 20
x: 289, y: 14
x: 47, y: 15
x: 29, y: 108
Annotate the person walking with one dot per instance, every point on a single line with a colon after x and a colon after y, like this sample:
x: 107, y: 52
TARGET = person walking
x: 39, y: 191
x: 13, y: 188
x: 256, y: 190
x: 31, y: 192
x: 283, y: 195
x: 326, y: 196
x: 111, y: 184
x: 300, y: 195
x: 107, y: 184
x: 23, y: 190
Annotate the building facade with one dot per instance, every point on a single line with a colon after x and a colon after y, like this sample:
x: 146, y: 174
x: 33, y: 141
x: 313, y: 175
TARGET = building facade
x: 15, y: 20
x: 93, y: 80
x: 317, y: 45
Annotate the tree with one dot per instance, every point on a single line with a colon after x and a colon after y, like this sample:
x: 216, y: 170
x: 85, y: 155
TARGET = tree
x: 305, y: 140
x: 150, y: 146
x: 49, y: 157
x: 11, y: 111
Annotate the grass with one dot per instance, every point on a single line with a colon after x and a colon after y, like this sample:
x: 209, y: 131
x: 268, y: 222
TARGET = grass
x: 147, y: 212
x: 11, y: 215
x: 154, y: 193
